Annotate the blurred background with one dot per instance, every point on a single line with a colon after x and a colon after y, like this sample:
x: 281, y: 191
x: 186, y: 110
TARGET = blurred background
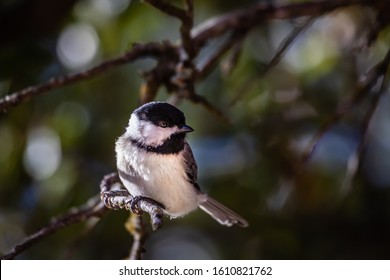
x: 55, y: 149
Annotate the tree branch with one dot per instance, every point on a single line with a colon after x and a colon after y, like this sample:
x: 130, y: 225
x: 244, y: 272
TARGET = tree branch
x: 185, y: 16
x: 111, y: 197
x: 154, y: 50
x: 168, y: 9
x: 244, y: 19
x: 92, y: 208
x: 259, y: 13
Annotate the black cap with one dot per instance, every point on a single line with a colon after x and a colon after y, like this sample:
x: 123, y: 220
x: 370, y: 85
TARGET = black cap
x: 157, y: 111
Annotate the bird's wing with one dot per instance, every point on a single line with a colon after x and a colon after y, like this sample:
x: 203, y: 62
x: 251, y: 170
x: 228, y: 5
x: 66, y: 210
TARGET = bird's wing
x: 190, y: 165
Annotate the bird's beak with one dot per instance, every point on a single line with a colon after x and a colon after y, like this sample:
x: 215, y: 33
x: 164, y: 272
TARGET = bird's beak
x: 184, y: 129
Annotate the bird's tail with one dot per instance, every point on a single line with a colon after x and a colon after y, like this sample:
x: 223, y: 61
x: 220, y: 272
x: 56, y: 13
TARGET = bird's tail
x: 221, y: 213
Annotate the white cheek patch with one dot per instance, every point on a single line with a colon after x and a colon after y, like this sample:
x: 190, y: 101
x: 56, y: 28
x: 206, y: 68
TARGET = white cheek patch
x: 155, y: 135
x: 147, y: 132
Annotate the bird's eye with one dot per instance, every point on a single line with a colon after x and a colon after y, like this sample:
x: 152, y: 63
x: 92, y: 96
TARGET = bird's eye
x: 162, y: 124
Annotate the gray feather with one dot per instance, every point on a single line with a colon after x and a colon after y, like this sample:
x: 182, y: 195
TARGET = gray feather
x: 221, y: 213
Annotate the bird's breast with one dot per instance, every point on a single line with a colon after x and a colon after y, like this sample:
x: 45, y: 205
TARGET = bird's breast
x: 161, y: 177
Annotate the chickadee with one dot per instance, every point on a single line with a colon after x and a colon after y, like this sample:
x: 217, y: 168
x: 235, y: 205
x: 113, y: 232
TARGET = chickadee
x: 155, y: 162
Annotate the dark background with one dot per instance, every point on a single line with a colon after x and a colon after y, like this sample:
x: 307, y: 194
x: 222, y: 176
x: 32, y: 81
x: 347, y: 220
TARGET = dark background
x: 55, y: 149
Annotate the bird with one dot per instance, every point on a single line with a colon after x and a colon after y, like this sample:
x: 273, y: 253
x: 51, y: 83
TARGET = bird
x: 156, y: 163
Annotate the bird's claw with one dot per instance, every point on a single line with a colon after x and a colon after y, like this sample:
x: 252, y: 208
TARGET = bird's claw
x: 135, y: 204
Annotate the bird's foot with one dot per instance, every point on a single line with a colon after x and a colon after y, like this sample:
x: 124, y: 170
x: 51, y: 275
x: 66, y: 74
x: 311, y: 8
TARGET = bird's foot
x: 114, y: 199
x: 135, y: 204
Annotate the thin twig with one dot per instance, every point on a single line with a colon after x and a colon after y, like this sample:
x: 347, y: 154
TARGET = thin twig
x: 277, y: 57
x: 168, y: 8
x: 88, y: 227
x: 234, y: 39
x: 92, y: 208
x: 196, y: 98
x: 362, y: 87
x: 185, y: 16
x: 136, y: 227
x: 227, y: 65
x: 185, y: 32
x: 355, y: 159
